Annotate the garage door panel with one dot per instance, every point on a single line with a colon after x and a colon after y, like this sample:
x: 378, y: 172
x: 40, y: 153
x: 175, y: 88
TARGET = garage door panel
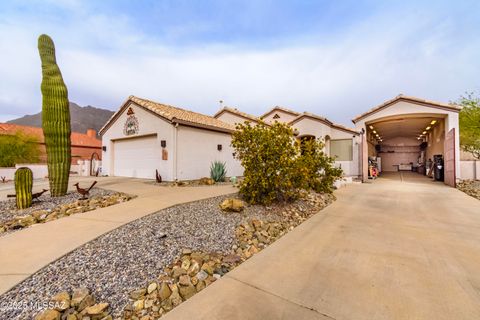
x: 138, y: 158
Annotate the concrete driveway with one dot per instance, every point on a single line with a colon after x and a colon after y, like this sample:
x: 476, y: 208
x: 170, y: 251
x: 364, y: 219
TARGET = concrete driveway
x: 402, y: 247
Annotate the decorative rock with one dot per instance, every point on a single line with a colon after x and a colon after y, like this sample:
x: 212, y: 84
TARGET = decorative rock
x: 232, y: 204
x: 208, y: 267
x: 185, y: 264
x: 61, y: 301
x: 96, y: 309
x: 138, y: 305
x: 86, y: 302
x: 184, y: 280
x: 206, y: 181
x: 194, y: 268
x: 152, y: 287
x: 137, y: 294
x: 148, y: 303
x: 186, y: 251
x: 78, y: 295
x: 231, y: 259
x: 164, y: 292
x: 175, y: 299
x: 187, y: 291
x: 200, y: 286
x: 201, y: 275
x: 49, y: 314
x: 178, y: 271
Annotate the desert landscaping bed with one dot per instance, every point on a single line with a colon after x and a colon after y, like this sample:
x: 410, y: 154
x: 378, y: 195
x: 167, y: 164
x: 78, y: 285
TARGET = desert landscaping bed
x: 147, y: 267
x: 470, y: 187
x: 46, y: 208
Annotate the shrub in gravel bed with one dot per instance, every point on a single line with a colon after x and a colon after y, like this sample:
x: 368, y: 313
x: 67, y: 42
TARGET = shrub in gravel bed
x: 48, y: 208
x: 193, y: 271
x: 470, y: 187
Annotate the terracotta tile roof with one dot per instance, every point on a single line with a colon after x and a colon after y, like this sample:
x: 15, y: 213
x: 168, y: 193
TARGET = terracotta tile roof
x: 237, y: 112
x: 401, y: 97
x: 324, y: 120
x: 295, y: 113
x: 174, y: 115
x: 78, y: 139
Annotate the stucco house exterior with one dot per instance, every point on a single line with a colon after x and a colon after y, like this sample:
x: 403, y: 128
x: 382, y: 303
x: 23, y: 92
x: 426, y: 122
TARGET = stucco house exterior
x: 407, y: 130
x: 144, y: 136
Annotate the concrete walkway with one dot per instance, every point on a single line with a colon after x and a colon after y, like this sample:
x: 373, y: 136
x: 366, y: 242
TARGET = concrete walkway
x: 24, y: 252
x: 402, y: 247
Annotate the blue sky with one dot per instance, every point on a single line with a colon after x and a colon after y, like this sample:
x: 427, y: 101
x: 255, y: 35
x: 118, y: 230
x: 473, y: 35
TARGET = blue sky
x: 333, y: 58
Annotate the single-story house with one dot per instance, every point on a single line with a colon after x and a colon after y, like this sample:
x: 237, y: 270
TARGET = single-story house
x: 144, y: 136
x: 84, y: 146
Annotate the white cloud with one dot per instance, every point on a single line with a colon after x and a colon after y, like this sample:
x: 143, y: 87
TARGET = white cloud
x: 105, y: 59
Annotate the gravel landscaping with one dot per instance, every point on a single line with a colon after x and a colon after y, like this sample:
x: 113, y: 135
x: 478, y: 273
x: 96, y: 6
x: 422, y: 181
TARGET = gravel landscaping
x: 131, y: 256
x: 470, y: 187
x: 46, y: 208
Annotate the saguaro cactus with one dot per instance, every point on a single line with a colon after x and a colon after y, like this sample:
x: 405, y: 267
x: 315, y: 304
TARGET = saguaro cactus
x: 23, y: 187
x: 55, y: 118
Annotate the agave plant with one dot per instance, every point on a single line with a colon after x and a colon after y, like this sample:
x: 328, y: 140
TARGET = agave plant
x: 218, y: 171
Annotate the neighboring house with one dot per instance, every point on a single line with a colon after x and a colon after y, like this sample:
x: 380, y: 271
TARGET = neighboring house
x: 84, y: 146
x: 144, y: 136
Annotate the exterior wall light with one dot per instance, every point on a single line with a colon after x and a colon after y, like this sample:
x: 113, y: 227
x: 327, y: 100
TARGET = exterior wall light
x: 219, y: 147
x: 163, y: 143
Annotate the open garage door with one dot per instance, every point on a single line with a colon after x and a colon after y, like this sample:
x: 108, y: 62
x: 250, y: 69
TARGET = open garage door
x: 136, y: 157
x: 450, y: 175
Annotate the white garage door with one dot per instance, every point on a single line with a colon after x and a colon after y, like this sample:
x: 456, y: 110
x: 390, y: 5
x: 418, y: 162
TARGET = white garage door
x: 136, y: 157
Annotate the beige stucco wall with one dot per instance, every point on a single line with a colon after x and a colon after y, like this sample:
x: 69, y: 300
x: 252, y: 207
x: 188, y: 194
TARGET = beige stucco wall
x: 406, y: 150
x: 407, y: 108
x: 197, y: 149
x: 308, y: 126
x: 436, y: 140
x: 148, y: 124
x: 469, y: 170
x: 233, y: 118
x: 284, y: 117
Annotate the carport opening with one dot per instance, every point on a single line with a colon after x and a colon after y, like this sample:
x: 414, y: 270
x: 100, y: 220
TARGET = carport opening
x: 407, y: 143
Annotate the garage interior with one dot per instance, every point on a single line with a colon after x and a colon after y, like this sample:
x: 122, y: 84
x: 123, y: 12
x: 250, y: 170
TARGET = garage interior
x: 407, y: 143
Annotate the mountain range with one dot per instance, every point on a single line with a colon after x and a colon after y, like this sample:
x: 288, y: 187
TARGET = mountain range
x: 82, y: 118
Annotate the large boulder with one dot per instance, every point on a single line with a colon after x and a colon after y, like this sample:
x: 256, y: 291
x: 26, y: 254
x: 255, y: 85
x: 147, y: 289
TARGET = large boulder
x: 232, y: 204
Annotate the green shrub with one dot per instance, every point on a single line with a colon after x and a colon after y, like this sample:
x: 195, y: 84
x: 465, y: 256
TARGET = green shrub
x: 316, y: 168
x: 277, y: 167
x: 18, y: 148
x: 218, y: 171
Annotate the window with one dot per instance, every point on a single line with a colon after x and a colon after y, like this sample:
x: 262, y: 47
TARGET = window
x: 341, y: 150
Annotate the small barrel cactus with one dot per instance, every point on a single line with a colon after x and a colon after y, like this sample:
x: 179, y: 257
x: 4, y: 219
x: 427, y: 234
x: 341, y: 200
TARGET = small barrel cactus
x: 23, y: 187
x: 55, y: 119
